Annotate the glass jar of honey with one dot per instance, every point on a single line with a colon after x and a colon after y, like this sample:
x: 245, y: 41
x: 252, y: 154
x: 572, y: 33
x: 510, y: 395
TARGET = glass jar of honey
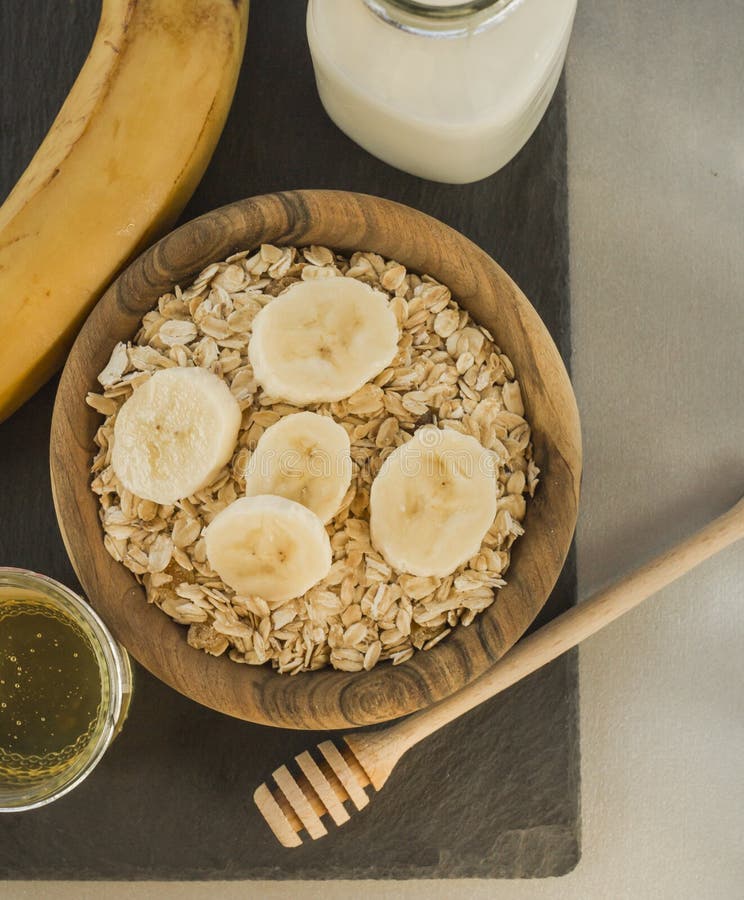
x: 65, y: 686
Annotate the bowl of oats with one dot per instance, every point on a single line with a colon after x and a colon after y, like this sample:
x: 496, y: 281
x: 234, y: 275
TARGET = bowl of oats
x: 316, y: 460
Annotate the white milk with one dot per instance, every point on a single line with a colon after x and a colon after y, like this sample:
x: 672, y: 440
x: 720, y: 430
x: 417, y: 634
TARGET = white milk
x: 453, y: 102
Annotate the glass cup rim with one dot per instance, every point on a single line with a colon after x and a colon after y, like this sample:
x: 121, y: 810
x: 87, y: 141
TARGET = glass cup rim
x: 117, y: 671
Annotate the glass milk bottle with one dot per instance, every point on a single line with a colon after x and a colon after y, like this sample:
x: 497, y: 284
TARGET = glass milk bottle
x: 445, y: 90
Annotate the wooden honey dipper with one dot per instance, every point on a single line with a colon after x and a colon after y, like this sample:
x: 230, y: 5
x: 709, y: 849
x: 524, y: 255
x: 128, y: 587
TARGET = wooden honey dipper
x: 336, y: 774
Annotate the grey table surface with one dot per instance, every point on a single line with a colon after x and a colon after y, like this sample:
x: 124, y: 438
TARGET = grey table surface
x: 656, y: 186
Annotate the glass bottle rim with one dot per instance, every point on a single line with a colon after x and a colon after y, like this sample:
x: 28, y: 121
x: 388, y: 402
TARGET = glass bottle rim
x: 435, y: 20
x: 114, y: 667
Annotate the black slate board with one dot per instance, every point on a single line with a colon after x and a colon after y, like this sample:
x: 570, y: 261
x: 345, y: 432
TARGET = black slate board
x: 492, y: 795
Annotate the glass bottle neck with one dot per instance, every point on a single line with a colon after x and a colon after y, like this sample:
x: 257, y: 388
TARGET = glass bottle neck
x: 442, y: 18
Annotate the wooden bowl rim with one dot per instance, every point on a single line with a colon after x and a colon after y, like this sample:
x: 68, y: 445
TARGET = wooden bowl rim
x: 325, y: 699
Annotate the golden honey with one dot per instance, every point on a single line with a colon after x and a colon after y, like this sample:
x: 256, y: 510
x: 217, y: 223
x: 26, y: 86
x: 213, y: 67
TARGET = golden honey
x: 50, y: 689
x: 65, y: 686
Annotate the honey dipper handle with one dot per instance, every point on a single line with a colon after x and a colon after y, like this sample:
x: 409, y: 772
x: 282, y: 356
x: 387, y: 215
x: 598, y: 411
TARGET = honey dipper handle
x: 570, y: 628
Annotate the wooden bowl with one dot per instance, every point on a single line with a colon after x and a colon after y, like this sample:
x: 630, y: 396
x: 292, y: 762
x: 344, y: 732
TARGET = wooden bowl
x: 325, y: 699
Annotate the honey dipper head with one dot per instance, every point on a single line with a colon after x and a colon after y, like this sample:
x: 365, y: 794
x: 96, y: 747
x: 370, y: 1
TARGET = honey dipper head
x: 318, y: 788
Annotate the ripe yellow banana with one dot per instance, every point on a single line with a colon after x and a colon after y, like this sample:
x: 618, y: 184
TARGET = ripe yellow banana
x: 118, y: 165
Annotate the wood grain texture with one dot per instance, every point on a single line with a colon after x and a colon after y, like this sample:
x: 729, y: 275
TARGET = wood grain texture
x: 379, y: 751
x: 369, y: 757
x: 325, y: 699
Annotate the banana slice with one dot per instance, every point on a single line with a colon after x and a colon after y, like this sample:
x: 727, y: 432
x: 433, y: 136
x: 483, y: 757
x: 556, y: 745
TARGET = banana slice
x: 433, y: 501
x: 269, y: 546
x: 322, y: 340
x: 174, y: 434
x: 303, y: 457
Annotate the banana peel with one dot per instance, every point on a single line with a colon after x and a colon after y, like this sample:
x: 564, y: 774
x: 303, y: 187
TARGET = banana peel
x: 120, y: 162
